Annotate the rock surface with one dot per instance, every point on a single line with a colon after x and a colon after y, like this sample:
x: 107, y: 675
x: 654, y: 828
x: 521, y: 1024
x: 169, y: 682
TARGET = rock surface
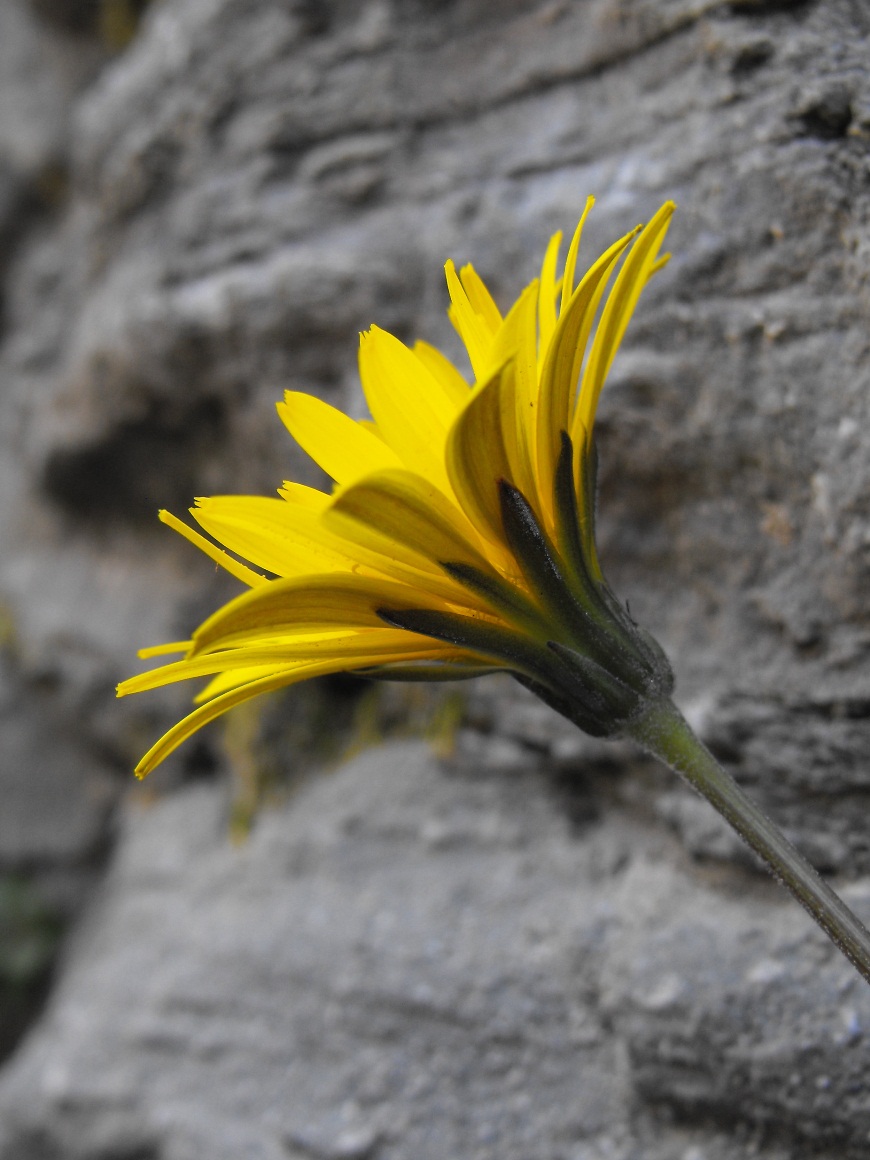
x: 404, y: 961
x: 191, y: 226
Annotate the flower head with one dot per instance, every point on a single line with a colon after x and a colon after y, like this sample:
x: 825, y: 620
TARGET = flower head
x: 460, y: 539
x: 460, y: 535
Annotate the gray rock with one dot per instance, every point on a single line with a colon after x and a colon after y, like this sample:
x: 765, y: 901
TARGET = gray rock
x: 56, y: 797
x: 403, y: 961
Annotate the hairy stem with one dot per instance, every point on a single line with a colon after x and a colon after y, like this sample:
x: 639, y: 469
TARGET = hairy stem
x: 664, y: 733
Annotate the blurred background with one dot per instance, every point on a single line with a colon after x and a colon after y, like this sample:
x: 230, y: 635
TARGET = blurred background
x: 376, y: 924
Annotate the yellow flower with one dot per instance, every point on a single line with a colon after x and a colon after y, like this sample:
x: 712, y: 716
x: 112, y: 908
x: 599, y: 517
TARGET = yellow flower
x: 459, y: 537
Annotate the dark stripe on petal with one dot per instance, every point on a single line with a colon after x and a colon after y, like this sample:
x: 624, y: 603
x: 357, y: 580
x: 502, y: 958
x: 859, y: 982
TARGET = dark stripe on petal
x: 503, y: 597
x: 572, y: 526
x: 535, y: 555
x: 511, y: 648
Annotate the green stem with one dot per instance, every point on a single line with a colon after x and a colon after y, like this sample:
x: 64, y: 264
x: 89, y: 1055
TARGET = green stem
x: 664, y: 733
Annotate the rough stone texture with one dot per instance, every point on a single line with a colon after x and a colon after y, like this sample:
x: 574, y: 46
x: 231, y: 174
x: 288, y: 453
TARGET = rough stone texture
x: 404, y: 962
x: 192, y: 226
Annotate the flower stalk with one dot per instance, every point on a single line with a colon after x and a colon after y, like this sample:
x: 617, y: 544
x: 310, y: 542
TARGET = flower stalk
x: 664, y: 732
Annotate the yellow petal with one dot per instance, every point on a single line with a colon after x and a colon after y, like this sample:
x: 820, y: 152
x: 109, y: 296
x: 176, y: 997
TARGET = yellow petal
x: 199, y: 717
x: 516, y: 342
x: 374, y: 643
x: 278, y: 679
x: 302, y: 604
x: 571, y: 260
x: 294, y: 541
x: 658, y: 264
x: 234, y: 679
x: 471, y: 327
x: 409, y: 405
x: 371, y: 425
x: 343, y: 448
x: 398, y: 561
x: 547, y: 296
x: 240, y: 571
x: 440, y: 653
x: 412, y: 511
x: 442, y: 369
x: 617, y: 311
x: 480, y: 298
x: 301, y: 495
x: 477, y: 458
x: 273, y: 534
x: 162, y: 650
x: 562, y: 365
